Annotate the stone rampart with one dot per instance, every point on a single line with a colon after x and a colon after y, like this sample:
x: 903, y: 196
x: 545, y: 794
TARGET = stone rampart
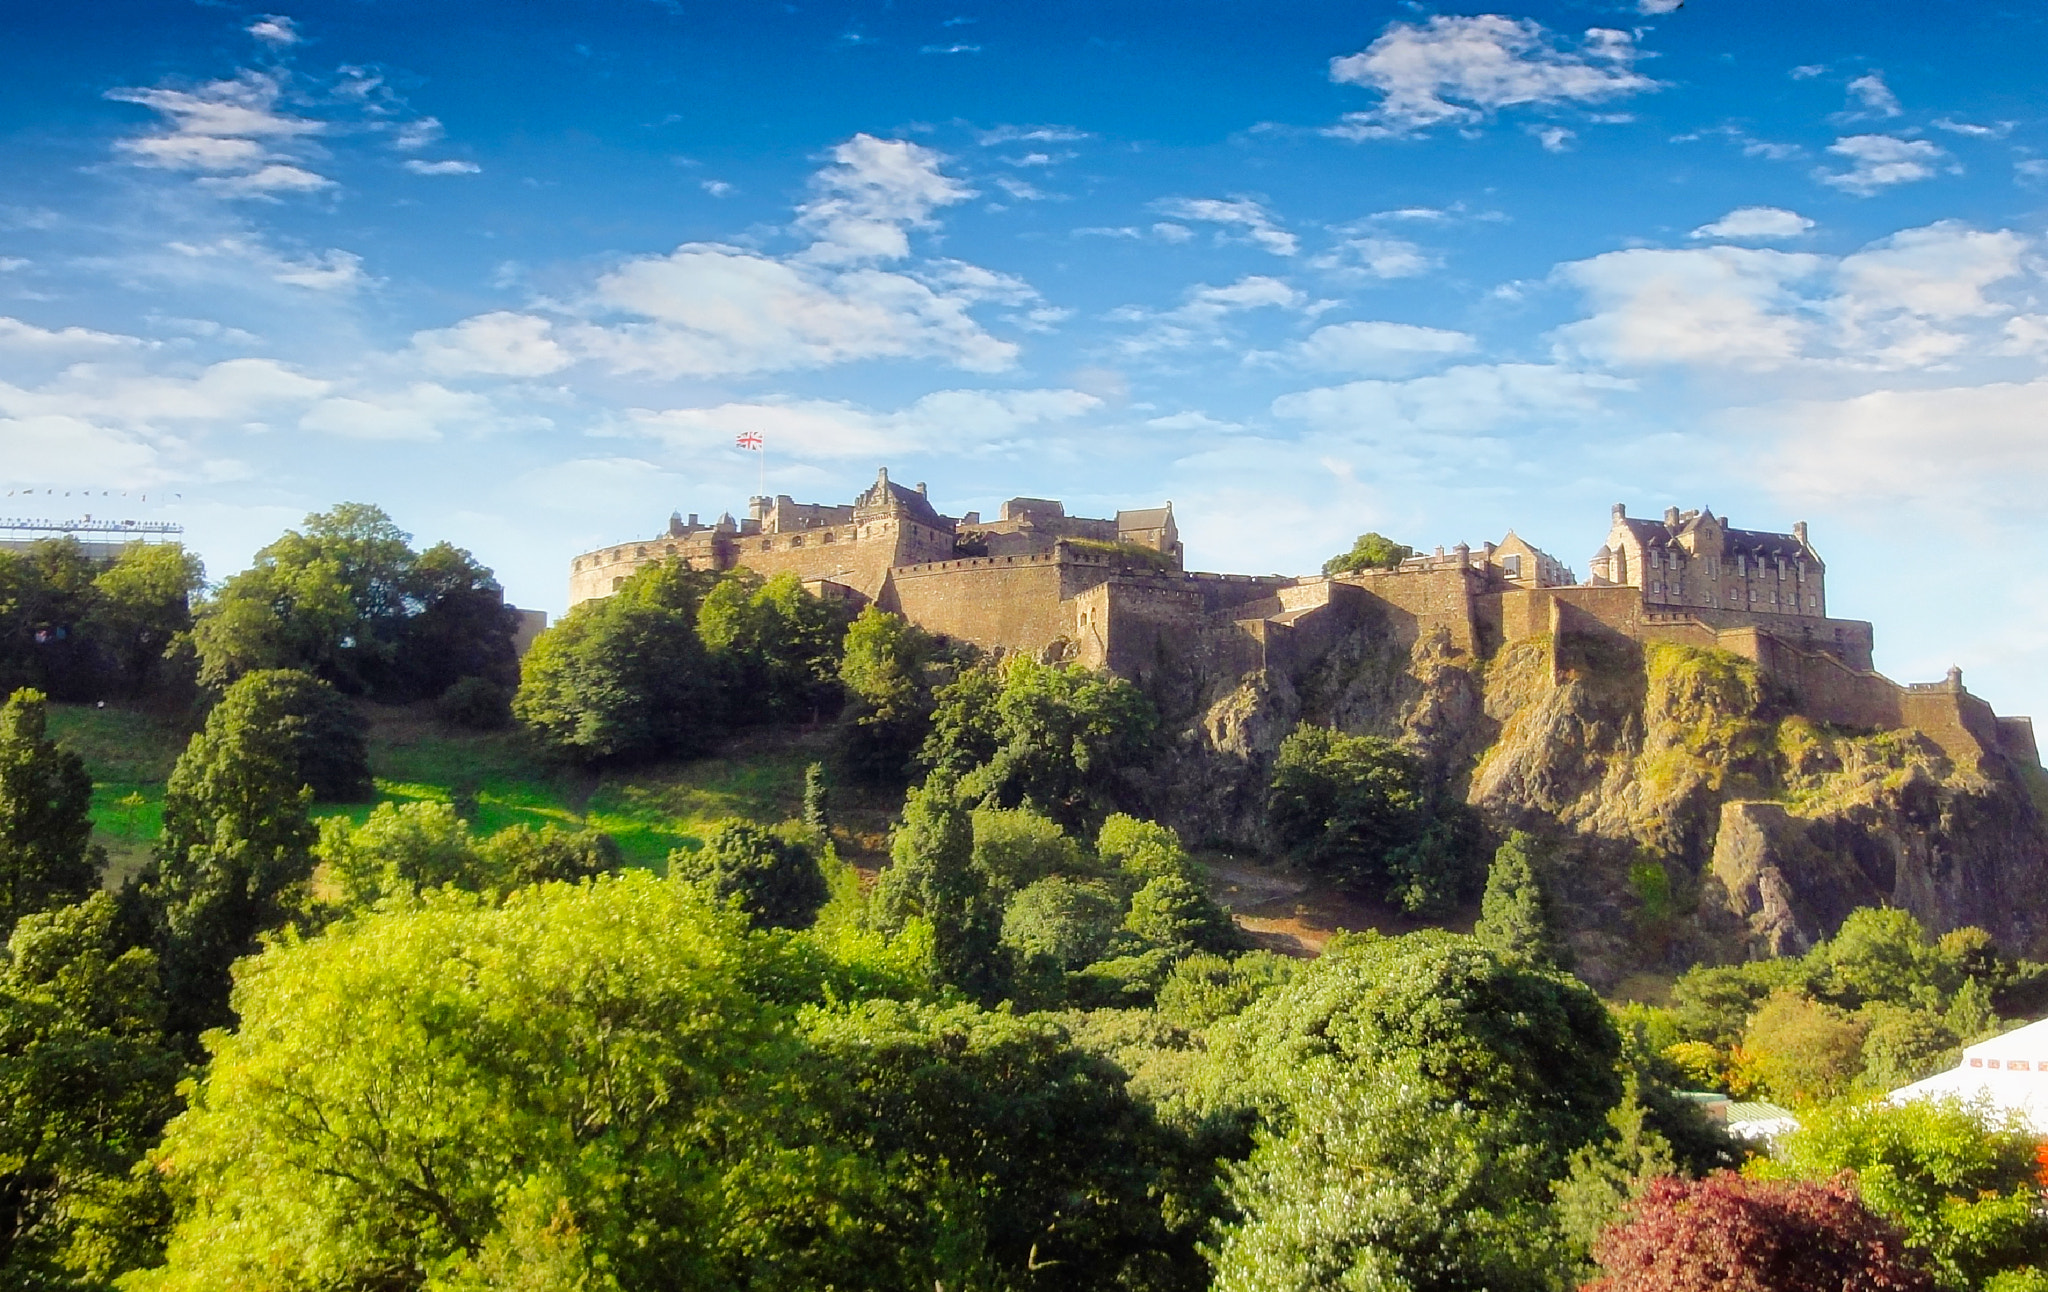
x: 1010, y: 602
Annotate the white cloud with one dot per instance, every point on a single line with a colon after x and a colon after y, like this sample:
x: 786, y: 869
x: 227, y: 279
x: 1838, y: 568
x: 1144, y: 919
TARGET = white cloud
x: 17, y: 337
x: 1961, y: 447
x: 1555, y: 139
x: 716, y: 187
x: 1462, y: 403
x: 414, y: 135
x: 233, y: 392
x: 1199, y: 319
x: 1167, y: 231
x: 1756, y: 224
x: 1372, y: 255
x: 875, y: 191
x: 714, y: 310
x: 267, y: 181
x: 1998, y: 130
x: 501, y: 344
x: 1235, y: 213
x: 1914, y: 299
x: 418, y: 167
x: 1879, y: 162
x: 1032, y: 135
x: 48, y: 448
x: 1873, y: 97
x: 1729, y: 306
x: 275, y: 29
x: 333, y: 270
x: 710, y: 309
x: 946, y: 421
x: 1457, y: 70
x: 1655, y: 7
x: 1377, y: 348
x: 195, y: 152
x: 245, y: 108
x: 421, y: 411
x: 1020, y: 190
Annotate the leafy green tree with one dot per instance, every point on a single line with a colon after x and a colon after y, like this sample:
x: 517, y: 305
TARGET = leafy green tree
x: 1356, y: 808
x: 519, y: 856
x: 1015, y: 1159
x: 817, y: 799
x: 1064, y: 921
x: 1605, y: 1177
x: 1015, y: 848
x: 1172, y: 911
x: 236, y: 848
x: 1902, y: 1045
x: 1369, y: 552
x: 775, y: 880
x: 1502, y: 1036
x: 776, y: 645
x: 1729, y: 1234
x: 1378, y: 1184
x: 1205, y: 988
x: 85, y: 1085
x: 1042, y: 736
x: 1807, y: 1051
x: 1143, y: 850
x: 347, y: 599
x: 887, y: 667
x: 46, y: 853
x: 475, y: 703
x: 330, y: 736
x: 1880, y: 954
x: 576, y: 1078
x: 1962, y: 1182
x: 625, y: 676
x: 46, y: 601
x: 1515, y: 915
x: 401, y: 849
x: 142, y: 605
x: 933, y: 876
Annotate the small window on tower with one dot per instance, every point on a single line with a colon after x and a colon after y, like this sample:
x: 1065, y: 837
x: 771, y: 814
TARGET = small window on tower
x: 1512, y: 565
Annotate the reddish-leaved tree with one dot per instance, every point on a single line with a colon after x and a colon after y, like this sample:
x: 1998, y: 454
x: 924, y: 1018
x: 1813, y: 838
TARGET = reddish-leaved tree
x: 1727, y: 1233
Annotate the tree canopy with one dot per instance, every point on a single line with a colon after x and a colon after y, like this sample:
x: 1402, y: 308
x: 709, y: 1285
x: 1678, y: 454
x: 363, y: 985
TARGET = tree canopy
x: 1370, y: 551
x: 46, y: 854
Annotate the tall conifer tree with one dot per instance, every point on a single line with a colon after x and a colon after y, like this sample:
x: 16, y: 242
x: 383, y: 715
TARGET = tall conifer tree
x: 46, y: 855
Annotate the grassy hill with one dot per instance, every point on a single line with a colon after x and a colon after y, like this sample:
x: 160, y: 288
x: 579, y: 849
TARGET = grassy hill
x: 495, y: 779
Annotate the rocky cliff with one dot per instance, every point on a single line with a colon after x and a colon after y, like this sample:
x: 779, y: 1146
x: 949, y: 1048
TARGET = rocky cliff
x: 1694, y: 813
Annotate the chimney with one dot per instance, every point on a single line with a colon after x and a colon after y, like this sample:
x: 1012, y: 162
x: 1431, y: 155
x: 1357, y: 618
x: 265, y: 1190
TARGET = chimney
x: 1799, y: 532
x: 920, y: 488
x: 1671, y: 517
x: 1620, y: 511
x: 693, y: 520
x: 882, y: 476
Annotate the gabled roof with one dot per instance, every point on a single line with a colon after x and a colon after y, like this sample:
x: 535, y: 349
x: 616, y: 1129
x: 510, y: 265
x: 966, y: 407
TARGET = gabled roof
x: 1145, y: 518
x: 885, y: 492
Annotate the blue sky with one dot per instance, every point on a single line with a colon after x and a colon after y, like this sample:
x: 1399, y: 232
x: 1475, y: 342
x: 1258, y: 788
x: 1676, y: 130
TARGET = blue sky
x: 520, y: 274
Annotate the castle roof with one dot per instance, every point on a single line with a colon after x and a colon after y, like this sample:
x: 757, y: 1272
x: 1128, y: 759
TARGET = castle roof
x: 1145, y: 518
x: 886, y: 494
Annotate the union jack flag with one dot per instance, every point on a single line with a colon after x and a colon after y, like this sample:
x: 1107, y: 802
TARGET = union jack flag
x: 750, y: 440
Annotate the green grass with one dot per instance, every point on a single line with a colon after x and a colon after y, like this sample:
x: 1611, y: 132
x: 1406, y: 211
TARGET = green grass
x: 497, y: 779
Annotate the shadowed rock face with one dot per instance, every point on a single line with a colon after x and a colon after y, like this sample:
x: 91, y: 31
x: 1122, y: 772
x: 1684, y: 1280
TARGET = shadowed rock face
x: 1768, y: 828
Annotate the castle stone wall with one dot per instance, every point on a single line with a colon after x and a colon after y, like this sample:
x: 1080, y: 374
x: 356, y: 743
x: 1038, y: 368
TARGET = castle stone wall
x: 1011, y: 602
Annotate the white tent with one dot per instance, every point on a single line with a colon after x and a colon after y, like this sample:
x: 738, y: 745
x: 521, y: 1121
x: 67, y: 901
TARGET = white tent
x: 2010, y: 1072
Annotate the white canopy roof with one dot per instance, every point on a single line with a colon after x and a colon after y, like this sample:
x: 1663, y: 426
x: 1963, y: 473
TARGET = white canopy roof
x: 2009, y: 1071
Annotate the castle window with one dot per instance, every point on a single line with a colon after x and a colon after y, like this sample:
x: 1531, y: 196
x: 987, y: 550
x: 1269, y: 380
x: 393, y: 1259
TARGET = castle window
x: 829, y: 536
x: 1512, y: 565
x: 616, y: 584
x: 798, y: 541
x: 767, y: 544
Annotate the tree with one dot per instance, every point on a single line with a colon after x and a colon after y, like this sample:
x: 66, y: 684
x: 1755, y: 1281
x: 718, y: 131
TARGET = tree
x: 401, y: 849
x: 1807, y: 1051
x: 1961, y: 1182
x: 347, y: 599
x: 1377, y: 1184
x: 1172, y: 911
x: 329, y: 735
x: 775, y: 880
x: 85, y: 1085
x: 579, y: 1074
x: 1047, y: 737
x: 46, y: 854
x: 518, y: 856
x: 1515, y: 916
x: 1356, y: 808
x: 1142, y: 850
x: 1471, y: 1026
x: 1205, y: 988
x: 932, y: 875
x: 775, y: 644
x: 887, y: 667
x: 1369, y: 552
x: 817, y: 799
x: 142, y: 605
x: 1727, y: 1232
x: 46, y: 600
x: 1066, y: 922
x: 236, y: 848
x: 625, y: 676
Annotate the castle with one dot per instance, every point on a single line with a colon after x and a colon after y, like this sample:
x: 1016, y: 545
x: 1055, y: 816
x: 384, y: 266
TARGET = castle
x: 1113, y: 593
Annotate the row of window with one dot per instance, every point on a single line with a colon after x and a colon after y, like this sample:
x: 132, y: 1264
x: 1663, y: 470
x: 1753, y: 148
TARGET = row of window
x: 1660, y: 558
x: 1660, y: 588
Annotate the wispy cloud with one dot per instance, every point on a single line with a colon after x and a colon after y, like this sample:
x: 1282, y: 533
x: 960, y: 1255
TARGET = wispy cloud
x: 275, y: 29
x: 418, y: 167
x: 1756, y: 223
x: 1879, y: 162
x: 1458, y: 70
x: 1242, y: 217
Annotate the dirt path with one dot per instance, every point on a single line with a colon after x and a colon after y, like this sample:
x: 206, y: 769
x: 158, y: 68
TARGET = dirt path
x: 1291, y: 913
